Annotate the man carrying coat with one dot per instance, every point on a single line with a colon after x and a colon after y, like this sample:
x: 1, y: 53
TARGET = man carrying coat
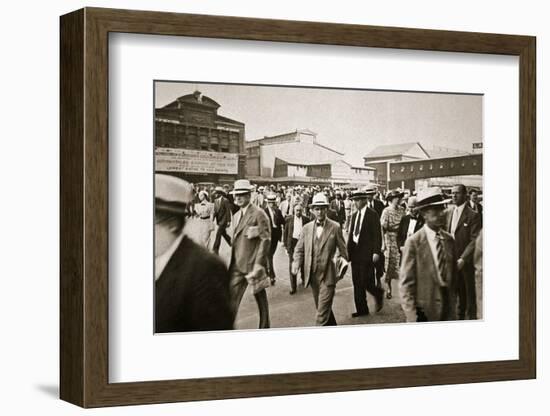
x: 250, y: 251
x: 316, y: 250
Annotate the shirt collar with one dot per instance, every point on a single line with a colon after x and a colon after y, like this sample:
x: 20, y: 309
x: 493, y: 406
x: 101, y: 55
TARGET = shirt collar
x: 432, y: 235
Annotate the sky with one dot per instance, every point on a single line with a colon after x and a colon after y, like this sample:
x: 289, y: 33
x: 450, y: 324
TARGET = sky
x: 351, y: 121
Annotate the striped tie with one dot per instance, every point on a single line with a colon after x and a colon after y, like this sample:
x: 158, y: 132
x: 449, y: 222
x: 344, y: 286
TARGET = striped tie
x: 441, y: 258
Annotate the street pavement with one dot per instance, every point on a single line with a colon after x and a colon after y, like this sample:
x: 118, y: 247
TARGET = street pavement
x: 298, y: 310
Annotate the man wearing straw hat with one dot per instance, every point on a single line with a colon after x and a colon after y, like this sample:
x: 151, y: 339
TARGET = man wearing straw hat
x: 250, y: 251
x: 364, y: 250
x: 316, y: 250
x: 428, y: 275
x: 191, y: 284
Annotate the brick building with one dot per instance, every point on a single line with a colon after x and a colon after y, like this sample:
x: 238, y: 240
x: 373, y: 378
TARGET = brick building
x: 194, y: 142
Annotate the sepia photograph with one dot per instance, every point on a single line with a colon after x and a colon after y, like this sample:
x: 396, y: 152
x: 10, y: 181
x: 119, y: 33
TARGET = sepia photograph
x: 293, y: 206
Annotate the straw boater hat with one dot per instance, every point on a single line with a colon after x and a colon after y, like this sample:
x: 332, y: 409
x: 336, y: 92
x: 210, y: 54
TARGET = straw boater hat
x: 172, y: 194
x: 241, y: 187
x: 319, y: 200
x: 271, y: 198
x: 431, y: 197
x: 363, y: 192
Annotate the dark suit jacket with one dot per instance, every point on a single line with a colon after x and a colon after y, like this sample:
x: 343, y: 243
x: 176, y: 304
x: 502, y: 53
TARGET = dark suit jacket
x: 466, y: 233
x: 340, y: 212
x: 289, y: 228
x: 378, y: 207
x: 222, y: 211
x: 479, y: 210
x: 404, y: 227
x: 192, y: 293
x: 277, y: 228
x: 370, y: 238
x: 251, y: 240
x: 332, y: 215
x: 419, y: 286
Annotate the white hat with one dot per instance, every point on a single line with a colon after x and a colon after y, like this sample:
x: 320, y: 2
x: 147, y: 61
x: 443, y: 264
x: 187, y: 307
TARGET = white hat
x: 242, y: 186
x: 319, y: 200
x: 430, y: 197
x: 172, y: 194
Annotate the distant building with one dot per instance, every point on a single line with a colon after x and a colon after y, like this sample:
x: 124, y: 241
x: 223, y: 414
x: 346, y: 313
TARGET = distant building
x: 298, y: 158
x: 194, y: 142
x: 412, y: 166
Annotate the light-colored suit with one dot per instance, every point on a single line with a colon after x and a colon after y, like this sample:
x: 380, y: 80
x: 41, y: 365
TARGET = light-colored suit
x: 323, y: 277
x: 251, y: 240
x: 419, y: 287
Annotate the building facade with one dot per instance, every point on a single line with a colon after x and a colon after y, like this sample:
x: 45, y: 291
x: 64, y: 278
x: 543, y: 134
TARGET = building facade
x: 194, y: 142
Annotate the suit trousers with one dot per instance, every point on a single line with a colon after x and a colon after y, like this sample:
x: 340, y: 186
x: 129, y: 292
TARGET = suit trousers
x: 237, y: 287
x: 323, y: 295
x: 293, y: 277
x: 221, y: 232
x: 467, y: 299
x: 362, y: 275
x: 272, y: 249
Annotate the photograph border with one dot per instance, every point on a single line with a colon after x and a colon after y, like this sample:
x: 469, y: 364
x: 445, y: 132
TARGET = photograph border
x: 84, y: 214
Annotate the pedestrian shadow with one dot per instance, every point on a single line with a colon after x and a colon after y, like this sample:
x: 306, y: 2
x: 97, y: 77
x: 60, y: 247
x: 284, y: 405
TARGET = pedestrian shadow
x: 49, y: 390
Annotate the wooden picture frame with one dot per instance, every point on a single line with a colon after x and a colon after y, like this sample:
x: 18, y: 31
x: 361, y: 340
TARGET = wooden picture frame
x: 84, y: 207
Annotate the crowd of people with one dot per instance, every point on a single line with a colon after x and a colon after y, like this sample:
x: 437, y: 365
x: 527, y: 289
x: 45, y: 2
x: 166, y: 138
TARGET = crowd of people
x: 429, y: 243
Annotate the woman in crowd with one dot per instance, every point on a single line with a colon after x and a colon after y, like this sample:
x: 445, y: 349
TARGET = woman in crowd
x: 390, y: 219
x: 204, y: 211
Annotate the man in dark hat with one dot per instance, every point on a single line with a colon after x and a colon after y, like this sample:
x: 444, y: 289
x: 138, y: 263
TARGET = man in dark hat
x: 250, y: 252
x: 337, y: 205
x: 428, y: 275
x: 364, y: 250
x: 316, y: 251
x: 191, y: 284
x: 222, y: 216
x: 276, y: 221
x: 464, y: 224
x: 410, y: 223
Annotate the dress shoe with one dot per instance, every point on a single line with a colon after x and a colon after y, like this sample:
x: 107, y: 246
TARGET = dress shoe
x: 356, y: 314
x: 292, y: 292
x: 272, y: 281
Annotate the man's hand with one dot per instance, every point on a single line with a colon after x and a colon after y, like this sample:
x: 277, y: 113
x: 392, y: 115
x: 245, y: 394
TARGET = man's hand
x: 460, y: 264
x: 375, y: 258
x: 294, y: 268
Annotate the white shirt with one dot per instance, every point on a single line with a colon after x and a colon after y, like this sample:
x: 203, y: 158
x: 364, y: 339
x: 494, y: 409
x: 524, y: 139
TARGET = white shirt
x: 457, y: 213
x: 162, y: 260
x: 360, y: 217
x: 432, y: 240
x: 412, y: 226
x: 319, y: 229
x: 298, y: 225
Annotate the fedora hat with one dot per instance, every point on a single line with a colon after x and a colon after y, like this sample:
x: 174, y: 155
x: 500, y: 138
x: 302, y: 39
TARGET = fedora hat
x: 429, y: 197
x: 219, y: 190
x: 241, y: 187
x: 396, y: 193
x: 319, y: 200
x: 172, y: 194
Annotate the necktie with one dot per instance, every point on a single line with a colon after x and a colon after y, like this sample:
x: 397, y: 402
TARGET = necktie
x: 440, y: 257
x: 357, y: 228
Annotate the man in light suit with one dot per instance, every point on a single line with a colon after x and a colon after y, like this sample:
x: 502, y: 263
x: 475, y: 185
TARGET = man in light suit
x: 364, y: 249
x: 191, y: 284
x: 250, y: 250
x: 316, y: 250
x: 464, y: 224
x: 428, y: 275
